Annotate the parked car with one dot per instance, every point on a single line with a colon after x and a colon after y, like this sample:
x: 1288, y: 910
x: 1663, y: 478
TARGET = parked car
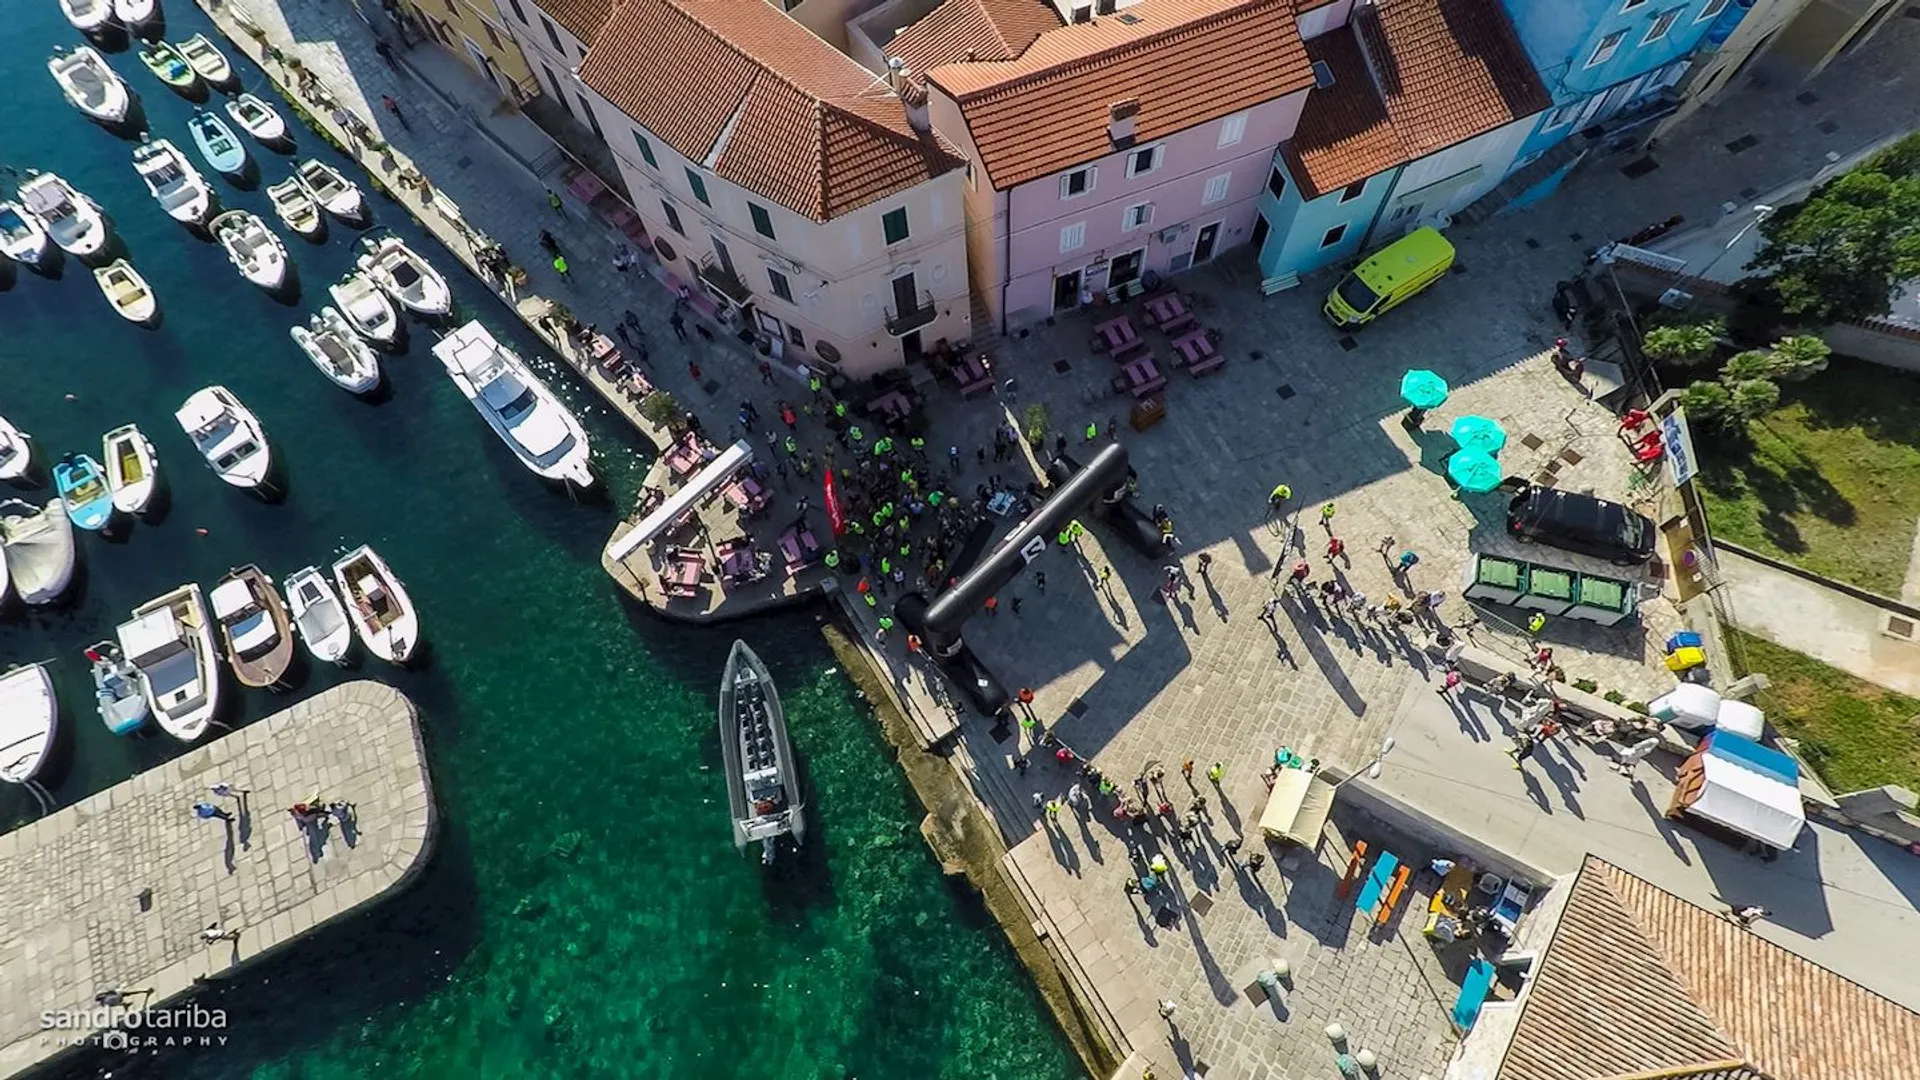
x: 1582, y: 523
x: 1389, y: 278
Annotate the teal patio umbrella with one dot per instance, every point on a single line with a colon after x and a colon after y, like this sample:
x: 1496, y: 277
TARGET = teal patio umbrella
x: 1474, y: 470
x: 1423, y: 389
x: 1478, y: 433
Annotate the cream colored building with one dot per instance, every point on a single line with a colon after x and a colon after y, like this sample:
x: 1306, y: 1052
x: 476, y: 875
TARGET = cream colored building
x: 794, y: 189
x: 472, y: 31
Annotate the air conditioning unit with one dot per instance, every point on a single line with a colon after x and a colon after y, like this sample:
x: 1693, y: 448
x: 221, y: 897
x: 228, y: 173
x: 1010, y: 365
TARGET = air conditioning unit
x: 1168, y: 236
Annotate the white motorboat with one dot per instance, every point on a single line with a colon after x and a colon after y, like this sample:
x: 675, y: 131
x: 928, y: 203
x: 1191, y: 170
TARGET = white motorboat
x: 763, y: 784
x: 293, y: 206
x: 135, y: 13
x: 367, y: 309
x: 173, y: 181
x: 339, y: 354
x: 207, y: 60
x: 227, y: 435
x: 38, y: 545
x: 214, y: 139
x: 319, y: 615
x: 118, y: 690
x: 70, y: 218
x: 90, y: 85
x: 517, y: 405
x: 16, y: 451
x: 254, y: 627
x: 407, y: 277
x: 170, y: 642
x: 21, y: 236
x: 253, y: 248
x: 29, y: 715
x: 88, y: 16
x: 127, y: 291
x: 340, y: 196
x: 6, y: 578
x: 258, y: 119
x: 378, y: 604
x: 133, y: 469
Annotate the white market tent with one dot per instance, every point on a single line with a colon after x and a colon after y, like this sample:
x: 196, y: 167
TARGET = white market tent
x: 1735, y: 782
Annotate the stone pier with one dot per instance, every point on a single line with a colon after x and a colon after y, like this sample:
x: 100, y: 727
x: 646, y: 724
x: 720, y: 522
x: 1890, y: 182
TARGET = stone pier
x: 113, y: 893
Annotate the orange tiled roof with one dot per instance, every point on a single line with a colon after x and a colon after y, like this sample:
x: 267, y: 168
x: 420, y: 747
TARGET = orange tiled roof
x: 972, y: 29
x: 581, y: 18
x: 1638, y: 982
x: 742, y: 88
x: 1442, y: 72
x: 1184, y: 61
x: 1344, y: 133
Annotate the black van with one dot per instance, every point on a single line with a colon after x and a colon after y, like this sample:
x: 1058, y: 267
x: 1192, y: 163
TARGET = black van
x: 1582, y: 523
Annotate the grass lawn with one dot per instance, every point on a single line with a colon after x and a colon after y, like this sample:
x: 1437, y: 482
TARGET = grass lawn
x: 1856, y: 734
x: 1830, y: 480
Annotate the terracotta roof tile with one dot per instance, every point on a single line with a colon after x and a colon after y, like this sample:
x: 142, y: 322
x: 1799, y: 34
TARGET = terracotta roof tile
x: 738, y: 85
x: 581, y: 18
x: 1344, y: 133
x: 979, y: 29
x: 1638, y: 981
x: 1185, y: 61
x: 1441, y: 72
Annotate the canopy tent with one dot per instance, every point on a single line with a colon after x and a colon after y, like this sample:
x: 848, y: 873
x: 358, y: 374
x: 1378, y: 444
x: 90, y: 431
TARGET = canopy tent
x: 1737, y: 783
x: 700, y: 487
x: 1297, y: 808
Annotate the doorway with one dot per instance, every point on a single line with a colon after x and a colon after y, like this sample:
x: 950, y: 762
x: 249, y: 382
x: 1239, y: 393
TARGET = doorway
x: 910, y: 348
x: 1066, y: 291
x: 905, y: 297
x: 1260, y: 230
x: 1126, y: 268
x: 1204, y: 244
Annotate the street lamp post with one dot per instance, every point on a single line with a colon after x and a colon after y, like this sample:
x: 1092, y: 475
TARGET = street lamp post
x: 1761, y: 211
x: 1371, y: 770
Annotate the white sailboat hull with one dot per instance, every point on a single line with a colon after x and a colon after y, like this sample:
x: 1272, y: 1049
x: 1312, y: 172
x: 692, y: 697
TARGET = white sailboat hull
x: 39, y: 549
x: 133, y: 470
x: 90, y: 85
x: 391, y: 639
x: 29, y: 716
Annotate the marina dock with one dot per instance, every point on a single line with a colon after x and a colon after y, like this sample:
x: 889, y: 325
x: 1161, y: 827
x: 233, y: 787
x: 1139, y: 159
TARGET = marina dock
x: 115, y: 892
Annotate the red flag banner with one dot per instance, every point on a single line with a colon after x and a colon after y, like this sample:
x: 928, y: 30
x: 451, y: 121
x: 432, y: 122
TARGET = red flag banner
x: 834, y: 516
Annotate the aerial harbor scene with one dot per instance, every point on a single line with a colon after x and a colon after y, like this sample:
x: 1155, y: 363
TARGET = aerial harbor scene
x: 1003, y: 539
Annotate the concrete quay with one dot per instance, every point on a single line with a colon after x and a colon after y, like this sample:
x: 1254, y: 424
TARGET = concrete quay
x: 114, y: 892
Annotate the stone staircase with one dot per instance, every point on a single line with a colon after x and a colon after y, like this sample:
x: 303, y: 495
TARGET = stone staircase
x: 1569, y: 149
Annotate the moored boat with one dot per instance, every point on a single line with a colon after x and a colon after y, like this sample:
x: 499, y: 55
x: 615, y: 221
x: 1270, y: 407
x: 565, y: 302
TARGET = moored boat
x: 127, y: 291
x: 252, y: 248
x: 70, y: 218
x: 16, y: 451
x: 90, y: 85
x: 133, y: 469
x: 339, y: 354
x: 407, y: 277
x: 319, y: 615
x: 367, y: 308
x: 381, y: 611
x: 340, y: 196
x: 258, y: 119
x: 295, y: 207
x: 206, y: 60
x: 217, y: 144
x: 134, y: 14
x: 88, y: 16
x: 117, y: 689
x: 170, y: 67
x: 173, y: 181
x: 82, y: 485
x: 21, y: 236
x: 526, y: 415
x: 254, y: 628
x: 170, y: 642
x: 37, y: 543
x: 227, y: 435
x: 763, y: 784
x: 29, y: 715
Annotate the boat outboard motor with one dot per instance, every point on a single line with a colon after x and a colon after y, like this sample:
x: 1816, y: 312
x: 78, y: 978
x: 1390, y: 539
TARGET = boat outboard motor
x: 938, y: 624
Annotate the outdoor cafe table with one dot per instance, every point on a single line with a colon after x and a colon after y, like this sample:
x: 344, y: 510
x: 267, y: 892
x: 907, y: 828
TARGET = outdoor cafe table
x: 687, y: 455
x: 1117, y: 333
x: 1142, y: 377
x: 1168, y: 311
x: 893, y: 405
x: 745, y: 494
x: 736, y: 560
x: 682, y: 575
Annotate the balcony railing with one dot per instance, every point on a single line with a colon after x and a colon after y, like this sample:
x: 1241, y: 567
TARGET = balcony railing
x: 902, y: 323
x: 723, y: 280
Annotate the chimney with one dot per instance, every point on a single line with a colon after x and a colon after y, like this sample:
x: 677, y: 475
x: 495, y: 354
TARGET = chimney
x: 1120, y: 122
x: 914, y: 97
x: 895, y: 68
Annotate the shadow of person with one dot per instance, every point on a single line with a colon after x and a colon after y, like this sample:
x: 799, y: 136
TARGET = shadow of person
x: 1534, y: 791
x: 1089, y: 837
x: 1470, y: 723
x: 1660, y: 823
x: 226, y: 855
x: 315, y: 834
x: 1213, y: 597
x: 349, y: 823
x: 1146, y: 925
x: 243, y: 818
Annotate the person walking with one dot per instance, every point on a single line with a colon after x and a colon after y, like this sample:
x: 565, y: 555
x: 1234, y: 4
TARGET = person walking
x: 1537, y: 623
x: 679, y: 325
x: 1449, y: 683
x: 1040, y: 580
x: 1336, y: 548
x: 213, y: 934
x: 1748, y: 915
x: 1523, y: 746
x: 1255, y: 861
x: 1326, y: 516
x: 1632, y: 756
x: 225, y: 790
x: 1408, y: 560
x: 1386, y: 545
x: 1215, y: 771
x: 1186, y: 770
x: 1277, y: 498
x: 1205, y: 562
x: 560, y: 267
x: 206, y: 811
x: 993, y: 605
x: 1167, y: 1009
x: 553, y: 200
x: 693, y: 370
x: 1267, y: 613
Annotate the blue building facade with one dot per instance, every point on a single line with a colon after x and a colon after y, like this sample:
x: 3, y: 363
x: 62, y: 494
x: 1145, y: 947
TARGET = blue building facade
x: 1304, y: 235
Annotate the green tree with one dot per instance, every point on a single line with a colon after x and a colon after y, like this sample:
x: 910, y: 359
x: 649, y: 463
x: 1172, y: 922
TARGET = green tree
x: 1034, y: 424
x: 1799, y: 357
x: 663, y: 409
x: 1843, y: 253
x: 1752, y: 364
x: 1707, y: 402
x: 1692, y: 343
x: 1753, y: 398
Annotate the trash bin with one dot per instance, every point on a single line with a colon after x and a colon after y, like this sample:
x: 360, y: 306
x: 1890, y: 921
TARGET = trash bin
x: 1601, y: 600
x: 1685, y: 639
x: 1548, y: 589
x: 1488, y: 577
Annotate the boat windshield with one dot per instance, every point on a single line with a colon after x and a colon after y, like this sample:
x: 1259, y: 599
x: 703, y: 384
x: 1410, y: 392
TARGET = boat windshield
x: 520, y: 406
x: 237, y: 455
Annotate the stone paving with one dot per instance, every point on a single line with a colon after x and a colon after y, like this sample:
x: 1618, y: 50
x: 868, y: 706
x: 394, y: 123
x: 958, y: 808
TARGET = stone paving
x: 113, y: 892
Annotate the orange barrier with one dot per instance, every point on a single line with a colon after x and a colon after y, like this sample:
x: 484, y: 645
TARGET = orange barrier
x: 1353, y: 870
x: 1393, y: 895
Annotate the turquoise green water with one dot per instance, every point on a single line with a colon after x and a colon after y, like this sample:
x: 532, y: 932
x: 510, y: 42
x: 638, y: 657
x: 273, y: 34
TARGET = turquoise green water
x: 585, y: 915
